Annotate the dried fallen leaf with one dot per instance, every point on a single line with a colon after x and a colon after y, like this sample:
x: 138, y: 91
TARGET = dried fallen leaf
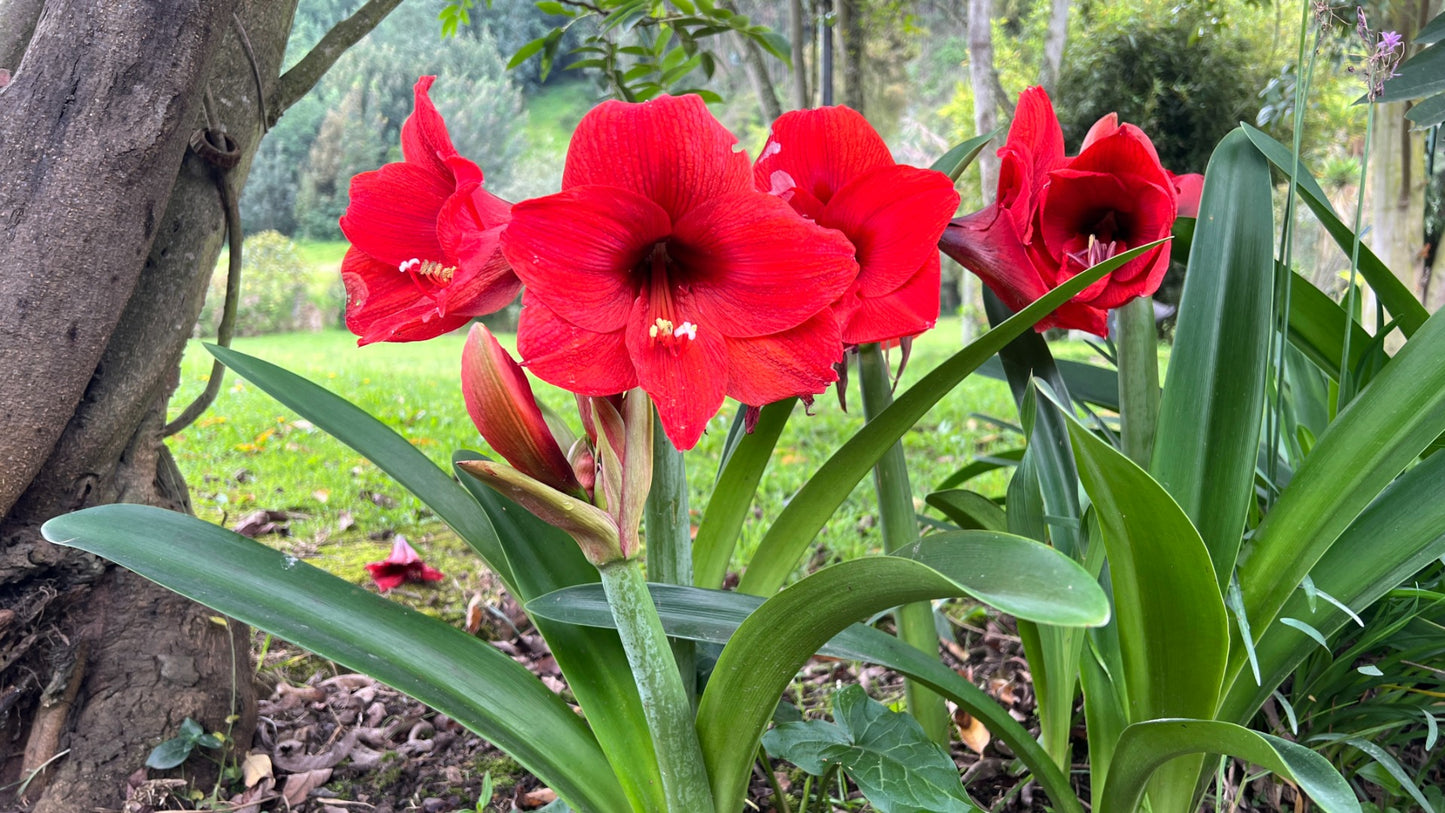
x: 971, y: 731
x: 255, y: 767
x: 539, y: 797
x: 474, y: 614
x: 299, y: 785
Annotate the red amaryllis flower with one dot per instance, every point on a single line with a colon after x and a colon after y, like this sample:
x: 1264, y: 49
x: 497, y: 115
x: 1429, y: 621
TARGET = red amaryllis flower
x: 1056, y: 216
x: 424, y: 255
x: 832, y: 166
x: 403, y: 565
x: 660, y: 266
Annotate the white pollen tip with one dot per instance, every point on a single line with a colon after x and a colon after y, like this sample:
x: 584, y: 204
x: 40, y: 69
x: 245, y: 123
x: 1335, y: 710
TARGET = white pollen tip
x: 687, y: 329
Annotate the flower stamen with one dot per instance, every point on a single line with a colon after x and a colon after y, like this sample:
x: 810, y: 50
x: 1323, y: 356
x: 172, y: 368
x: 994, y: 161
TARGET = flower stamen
x: 428, y: 269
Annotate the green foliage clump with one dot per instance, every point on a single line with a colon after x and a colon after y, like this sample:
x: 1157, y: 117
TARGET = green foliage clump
x: 1185, y: 76
x: 273, y: 297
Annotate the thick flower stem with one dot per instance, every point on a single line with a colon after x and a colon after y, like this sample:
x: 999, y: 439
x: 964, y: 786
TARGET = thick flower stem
x: 899, y: 522
x: 669, y: 537
x: 667, y: 708
x: 1138, y: 378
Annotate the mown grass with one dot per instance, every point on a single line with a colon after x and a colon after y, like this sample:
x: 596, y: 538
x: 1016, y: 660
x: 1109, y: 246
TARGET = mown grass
x: 250, y: 453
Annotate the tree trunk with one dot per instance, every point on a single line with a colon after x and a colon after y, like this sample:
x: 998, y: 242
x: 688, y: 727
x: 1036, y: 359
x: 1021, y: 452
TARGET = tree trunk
x: 1054, y: 45
x: 986, y: 100
x: 757, y: 67
x: 101, y: 203
x: 800, y: 34
x: 850, y: 25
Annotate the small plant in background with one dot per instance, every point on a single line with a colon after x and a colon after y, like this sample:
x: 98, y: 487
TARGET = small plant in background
x: 274, y: 289
x: 176, y: 750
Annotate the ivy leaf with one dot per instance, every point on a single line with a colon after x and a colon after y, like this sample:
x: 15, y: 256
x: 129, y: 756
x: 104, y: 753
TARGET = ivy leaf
x: 885, y: 752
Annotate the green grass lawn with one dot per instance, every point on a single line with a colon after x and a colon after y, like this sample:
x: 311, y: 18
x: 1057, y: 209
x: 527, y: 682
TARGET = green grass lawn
x: 249, y: 453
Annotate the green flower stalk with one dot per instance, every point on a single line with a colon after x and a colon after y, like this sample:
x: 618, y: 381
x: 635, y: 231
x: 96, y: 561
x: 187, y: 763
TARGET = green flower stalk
x: 899, y: 522
x: 605, y: 525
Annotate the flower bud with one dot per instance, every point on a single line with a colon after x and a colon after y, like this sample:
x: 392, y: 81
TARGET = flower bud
x: 502, y: 406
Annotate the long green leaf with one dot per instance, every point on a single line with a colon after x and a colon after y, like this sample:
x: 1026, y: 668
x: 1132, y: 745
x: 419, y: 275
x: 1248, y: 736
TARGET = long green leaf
x: 956, y: 160
x: 1402, y: 305
x: 1399, y: 533
x: 1373, y: 440
x: 1207, y: 439
x: 814, y: 504
x: 732, y: 495
x: 1173, y: 633
x: 455, y: 673
x: 1317, y: 328
x: 1088, y: 383
x: 546, y: 559
x: 1172, y: 626
x: 714, y: 615
x: 1146, y: 746
x: 380, y: 444
x: 1421, y: 75
x: 1032, y: 580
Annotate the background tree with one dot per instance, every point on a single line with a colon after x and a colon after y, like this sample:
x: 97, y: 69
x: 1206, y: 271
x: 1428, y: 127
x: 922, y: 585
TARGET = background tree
x: 109, y: 232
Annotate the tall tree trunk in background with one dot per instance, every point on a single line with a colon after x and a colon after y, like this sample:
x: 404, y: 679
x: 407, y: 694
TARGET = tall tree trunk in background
x: 109, y: 231
x: 1054, y: 40
x: 757, y: 67
x: 1396, y: 168
x: 986, y: 100
x: 800, y: 34
x: 850, y: 27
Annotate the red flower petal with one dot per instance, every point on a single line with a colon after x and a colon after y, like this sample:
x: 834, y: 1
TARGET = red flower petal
x: 578, y: 251
x: 386, y: 305
x: 907, y: 311
x: 670, y: 150
x: 764, y: 369
x: 1189, y: 188
x: 483, y: 282
x: 1106, y: 126
x: 1036, y: 134
x: 576, y: 359
x: 1125, y: 151
x: 893, y: 216
x: 686, y: 377
x: 424, y: 137
x: 821, y: 150
x: 755, y: 267
x: 392, y: 214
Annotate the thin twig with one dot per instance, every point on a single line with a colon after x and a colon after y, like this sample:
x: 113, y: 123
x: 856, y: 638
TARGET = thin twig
x: 305, y: 74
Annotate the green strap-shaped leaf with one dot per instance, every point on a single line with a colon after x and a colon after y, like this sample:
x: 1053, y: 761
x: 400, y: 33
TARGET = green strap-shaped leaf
x: 380, y: 444
x: 1168, y: 608
x: 714, y: 615
x: 1088, y: 383
x: 1146, y: 746
x: 1019, y: 575
x: 455, y: 673
x: 1421, y: 75
x: 1207, y: 440
x: 1173, y: 633
x: 788, y: 537
x: 1399, y: 533
x: 969, y: 509
x: 1317, y: 328
x: 546, y: 559
x: 956, y: 160
x: 1402, y: 305
x: 1387, y: 425
x: 737, y: 483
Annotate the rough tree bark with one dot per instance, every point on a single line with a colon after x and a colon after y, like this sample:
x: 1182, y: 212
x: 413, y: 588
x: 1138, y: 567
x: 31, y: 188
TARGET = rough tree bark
x: 102, y: 206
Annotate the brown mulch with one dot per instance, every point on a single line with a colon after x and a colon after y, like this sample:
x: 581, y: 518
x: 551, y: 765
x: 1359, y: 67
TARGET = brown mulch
x: 340, y: 743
